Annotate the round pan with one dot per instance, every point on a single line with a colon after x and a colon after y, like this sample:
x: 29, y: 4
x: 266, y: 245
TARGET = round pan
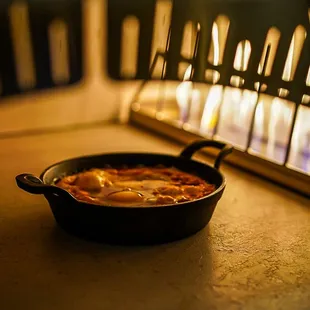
x: 131, y: 225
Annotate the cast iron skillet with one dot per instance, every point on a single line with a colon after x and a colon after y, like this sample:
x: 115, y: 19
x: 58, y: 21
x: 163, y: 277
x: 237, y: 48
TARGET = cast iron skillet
x: 130, y: 225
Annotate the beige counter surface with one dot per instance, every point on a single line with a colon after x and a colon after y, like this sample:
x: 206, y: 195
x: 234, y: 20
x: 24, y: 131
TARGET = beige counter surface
x: 254, y: 254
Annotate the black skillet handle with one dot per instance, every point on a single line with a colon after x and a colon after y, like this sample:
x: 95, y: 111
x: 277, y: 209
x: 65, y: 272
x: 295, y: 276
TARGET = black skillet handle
x: 34, y: 185
x: 197, y: 145
x: 31, y: 184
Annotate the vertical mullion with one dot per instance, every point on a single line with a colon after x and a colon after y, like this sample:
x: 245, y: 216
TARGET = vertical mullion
x: 288, y: 149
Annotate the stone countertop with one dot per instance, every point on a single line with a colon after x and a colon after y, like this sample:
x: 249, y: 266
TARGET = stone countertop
x: 254, y: 254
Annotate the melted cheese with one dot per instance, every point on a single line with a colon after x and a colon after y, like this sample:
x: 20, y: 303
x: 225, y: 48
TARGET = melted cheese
x: 135, y: 186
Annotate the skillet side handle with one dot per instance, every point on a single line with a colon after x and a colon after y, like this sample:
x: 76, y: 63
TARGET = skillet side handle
x: 226, y: 149
x: 31, y: 184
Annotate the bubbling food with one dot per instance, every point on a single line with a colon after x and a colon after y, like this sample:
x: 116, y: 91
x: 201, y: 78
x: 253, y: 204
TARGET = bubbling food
x: 135, y: 187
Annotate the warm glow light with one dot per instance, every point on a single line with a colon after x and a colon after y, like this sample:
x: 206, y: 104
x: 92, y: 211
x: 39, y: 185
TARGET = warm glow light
x: 189, y: 37
x: 236, y: 81
x: 129, y: 47
x: 283, y: 92
x: 220, y: 29
x: 216, y: 44
x: 305, y: 99
x: 289, y: 62
x: 187, y: 74
x: 194, y: 113
x: 272, y: 40
x: 186, y: 96
x: 275, y: 112
x: 308, y: 78
x: 259, y: 119
x: 273, y: 116
x: 280, y: 117
x: 22, y: 47
x: 242, y: 55
x: 216, y: 50
x: 212, y: 76
x: 300, y: 141
x: 241, y: 61
x: 162, y: 21
x: 257, y: 145
x: 263, y: 87
x: 294, y: 52
x: 209, y: 116
x: 183, y: 94
x: 242, y: 101
x: 235, y: 97
x: 246, y: 107
x: 59, y: 51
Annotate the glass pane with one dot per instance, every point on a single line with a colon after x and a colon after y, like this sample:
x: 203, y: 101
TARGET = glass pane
x: 300, y: 149
x: 235, y: 116
x: 272, y: 128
